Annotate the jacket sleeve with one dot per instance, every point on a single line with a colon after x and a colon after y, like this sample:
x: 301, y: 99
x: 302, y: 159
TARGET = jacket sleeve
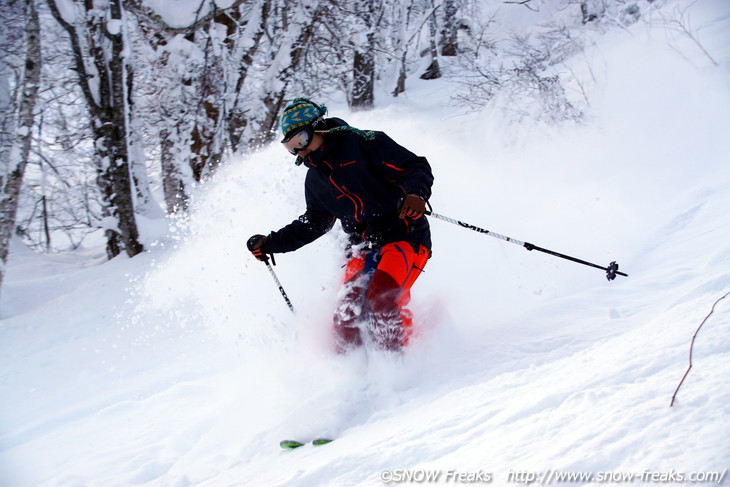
x: 403, y: 166
x: 314, y: 223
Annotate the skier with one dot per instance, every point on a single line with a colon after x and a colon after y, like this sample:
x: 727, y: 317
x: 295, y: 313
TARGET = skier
x: 378, y: 190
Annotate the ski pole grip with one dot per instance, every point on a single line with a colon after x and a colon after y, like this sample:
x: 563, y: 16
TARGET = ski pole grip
x: 251, y: 244
x: 255, y: 244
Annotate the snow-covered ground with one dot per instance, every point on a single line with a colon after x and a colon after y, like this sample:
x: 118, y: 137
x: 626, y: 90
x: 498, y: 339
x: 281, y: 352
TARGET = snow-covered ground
x: 184, y: 367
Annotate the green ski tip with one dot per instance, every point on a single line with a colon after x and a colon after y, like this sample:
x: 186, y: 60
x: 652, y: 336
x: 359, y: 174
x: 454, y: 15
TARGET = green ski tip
x: 321, y: 441
x: 292, y: 444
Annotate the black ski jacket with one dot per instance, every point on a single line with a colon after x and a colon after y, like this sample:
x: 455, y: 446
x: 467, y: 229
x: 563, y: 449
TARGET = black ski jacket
x: 359, y: 177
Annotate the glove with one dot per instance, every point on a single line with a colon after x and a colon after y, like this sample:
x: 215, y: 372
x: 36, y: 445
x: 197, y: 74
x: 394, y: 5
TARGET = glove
x: 256, y: 245
x: 412, y: 206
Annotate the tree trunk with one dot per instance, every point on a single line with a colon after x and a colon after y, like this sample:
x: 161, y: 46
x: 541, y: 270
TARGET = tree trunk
x: 363, y: 74
x: 450, y: 29
x: 402, y: 45
x: 11, y: 177
x: 145, y: 203
x: 122, y: 202
x: 363, y: 66
x: 400, y: 85
x: 206, y: 145
x: 433, y: 71
x: 237, y: 121
x: 173, y: 183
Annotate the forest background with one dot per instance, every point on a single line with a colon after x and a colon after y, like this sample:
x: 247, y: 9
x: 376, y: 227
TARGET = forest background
x: 115, y: 111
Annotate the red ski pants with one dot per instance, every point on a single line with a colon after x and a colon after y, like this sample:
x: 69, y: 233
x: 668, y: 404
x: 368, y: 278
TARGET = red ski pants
x: 378, y: 297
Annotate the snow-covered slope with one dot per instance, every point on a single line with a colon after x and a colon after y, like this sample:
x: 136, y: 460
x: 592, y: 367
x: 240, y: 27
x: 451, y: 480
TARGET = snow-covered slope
x: 183, y: 367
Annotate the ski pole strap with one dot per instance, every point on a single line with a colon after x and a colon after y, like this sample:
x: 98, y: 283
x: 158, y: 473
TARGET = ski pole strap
x: 281, y: 288
x: 611, y: 270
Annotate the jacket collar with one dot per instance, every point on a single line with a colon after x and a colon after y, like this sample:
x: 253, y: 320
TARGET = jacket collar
x: 316, y: 158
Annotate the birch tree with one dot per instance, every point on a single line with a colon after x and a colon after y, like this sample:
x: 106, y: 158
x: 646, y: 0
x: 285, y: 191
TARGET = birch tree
x: 433, y: 71
x: 15, y: 160
x: 363, y: 65
x: 449, y: 31
x: 246, y: 52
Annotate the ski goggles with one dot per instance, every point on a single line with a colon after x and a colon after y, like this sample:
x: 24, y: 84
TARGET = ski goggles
x: 299, y: 141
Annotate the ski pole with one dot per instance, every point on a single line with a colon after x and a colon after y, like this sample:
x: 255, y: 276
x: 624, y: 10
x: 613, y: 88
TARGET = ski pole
x: 611, y: 270
x: 281, y: 288
x: 256, y: 250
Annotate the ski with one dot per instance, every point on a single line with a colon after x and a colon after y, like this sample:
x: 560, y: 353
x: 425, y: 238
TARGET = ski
x: 293, y: 444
